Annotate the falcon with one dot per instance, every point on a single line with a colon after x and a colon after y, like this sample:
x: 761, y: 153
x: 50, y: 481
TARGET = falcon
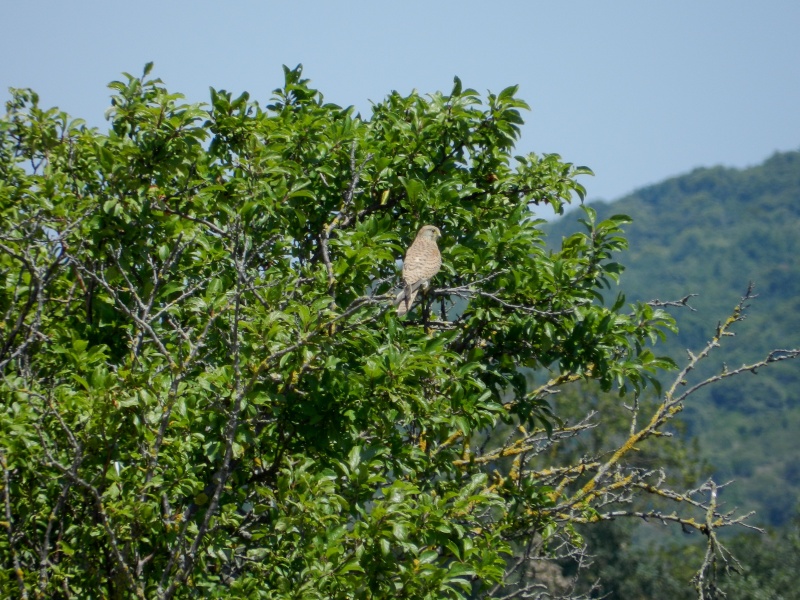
x: 422, y: 262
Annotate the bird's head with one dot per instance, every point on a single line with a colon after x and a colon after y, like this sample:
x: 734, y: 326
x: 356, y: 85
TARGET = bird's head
x: 430, y: 232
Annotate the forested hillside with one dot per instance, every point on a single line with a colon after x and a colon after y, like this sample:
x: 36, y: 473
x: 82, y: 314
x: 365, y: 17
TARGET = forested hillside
x: 710, y: 233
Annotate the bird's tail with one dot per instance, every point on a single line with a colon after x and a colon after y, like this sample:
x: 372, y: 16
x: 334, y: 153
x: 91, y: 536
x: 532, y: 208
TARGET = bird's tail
x: 404, y: 300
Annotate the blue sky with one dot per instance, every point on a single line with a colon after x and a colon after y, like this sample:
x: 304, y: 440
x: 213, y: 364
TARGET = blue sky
x: 638, y: 91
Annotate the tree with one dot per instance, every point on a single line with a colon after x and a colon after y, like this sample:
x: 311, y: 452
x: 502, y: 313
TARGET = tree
x: 206, y: 389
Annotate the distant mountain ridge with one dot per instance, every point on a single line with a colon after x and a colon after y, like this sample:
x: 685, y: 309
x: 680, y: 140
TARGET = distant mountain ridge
x: 711, y: 232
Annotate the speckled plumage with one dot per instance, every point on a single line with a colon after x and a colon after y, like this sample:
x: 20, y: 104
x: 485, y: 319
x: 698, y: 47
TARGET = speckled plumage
x: 422, y: 262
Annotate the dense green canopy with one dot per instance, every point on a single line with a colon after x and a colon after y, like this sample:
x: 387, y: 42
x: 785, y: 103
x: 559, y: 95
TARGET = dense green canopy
x: 206, y: 390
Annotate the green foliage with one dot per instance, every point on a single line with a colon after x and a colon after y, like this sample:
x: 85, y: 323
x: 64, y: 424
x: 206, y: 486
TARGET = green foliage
x: 206, y: 391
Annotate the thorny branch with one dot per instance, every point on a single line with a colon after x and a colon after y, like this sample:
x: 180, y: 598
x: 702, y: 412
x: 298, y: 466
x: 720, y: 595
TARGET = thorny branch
x: 705, y: 580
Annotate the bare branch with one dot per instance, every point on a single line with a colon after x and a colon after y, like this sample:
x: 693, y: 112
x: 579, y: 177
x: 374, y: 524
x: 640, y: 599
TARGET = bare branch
x: 682, y: 303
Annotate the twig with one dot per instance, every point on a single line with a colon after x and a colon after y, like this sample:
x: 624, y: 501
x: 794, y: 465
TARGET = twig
x: 469, y: 289
x: 682, y: 303
x: 342, y: 219
x: 9, y: 524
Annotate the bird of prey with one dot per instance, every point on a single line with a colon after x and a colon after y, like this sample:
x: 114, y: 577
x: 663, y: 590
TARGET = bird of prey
x: 422, y: 262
